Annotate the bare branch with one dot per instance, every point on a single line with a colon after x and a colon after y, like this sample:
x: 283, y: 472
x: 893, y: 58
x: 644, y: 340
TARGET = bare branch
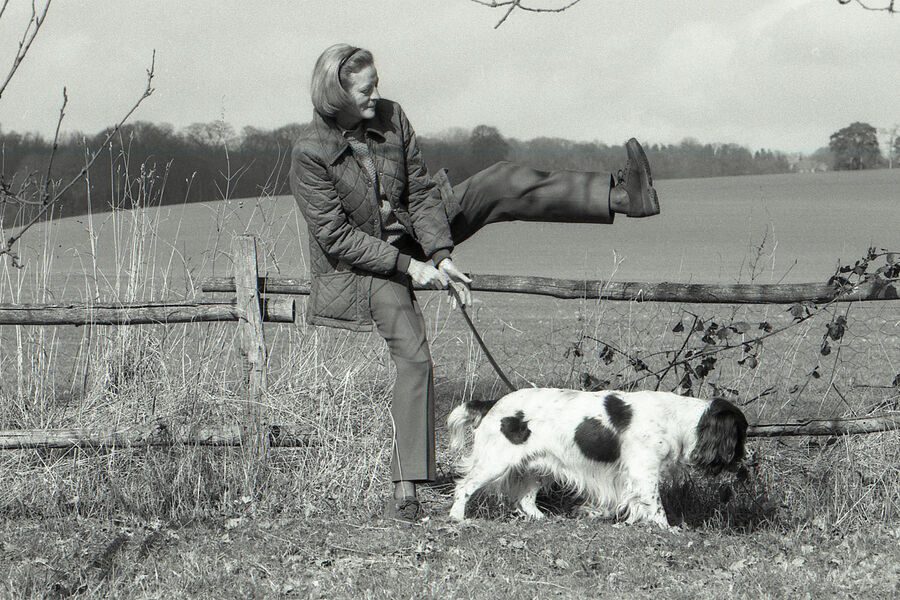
x: 889, y: 8
x: 49, y: 201
x: 511, y: 5
x: 45, y: 196
x: 31, y: 31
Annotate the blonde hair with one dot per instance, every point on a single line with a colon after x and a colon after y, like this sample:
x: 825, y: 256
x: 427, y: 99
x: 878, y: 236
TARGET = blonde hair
x: 333, y: 68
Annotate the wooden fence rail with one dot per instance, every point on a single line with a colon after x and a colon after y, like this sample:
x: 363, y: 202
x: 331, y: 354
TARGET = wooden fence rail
x: 700, y: 293
x: 286, y: 436
x: 277, y: 310
x: 157, y: 434
x: 827, y: 427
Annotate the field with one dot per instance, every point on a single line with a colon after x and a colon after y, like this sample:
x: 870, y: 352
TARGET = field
x: 815, y: 518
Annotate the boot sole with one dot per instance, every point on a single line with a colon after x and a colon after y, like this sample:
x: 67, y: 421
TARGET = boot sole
x: 637, y: 151
x: 649, y: 197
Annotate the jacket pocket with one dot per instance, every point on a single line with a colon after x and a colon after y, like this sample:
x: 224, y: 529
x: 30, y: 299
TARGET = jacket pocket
x: 335, y: 296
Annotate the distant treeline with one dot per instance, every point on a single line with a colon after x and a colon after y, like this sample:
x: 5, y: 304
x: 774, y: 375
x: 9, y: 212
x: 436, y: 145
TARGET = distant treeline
x: 465, y: 153
x: 210, y: 161
x: 199, y: 163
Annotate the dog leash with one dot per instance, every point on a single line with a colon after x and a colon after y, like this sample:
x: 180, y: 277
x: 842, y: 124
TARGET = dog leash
x: 480, y: 341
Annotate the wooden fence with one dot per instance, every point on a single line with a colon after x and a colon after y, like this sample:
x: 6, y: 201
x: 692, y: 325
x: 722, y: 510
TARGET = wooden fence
x: 694, y: 293
x: 250, y: 308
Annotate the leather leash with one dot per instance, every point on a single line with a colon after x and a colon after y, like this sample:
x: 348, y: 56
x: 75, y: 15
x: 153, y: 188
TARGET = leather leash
x: 480, y: 341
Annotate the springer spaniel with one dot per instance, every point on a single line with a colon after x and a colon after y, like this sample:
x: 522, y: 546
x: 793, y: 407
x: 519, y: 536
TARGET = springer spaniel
x: 608, y: 446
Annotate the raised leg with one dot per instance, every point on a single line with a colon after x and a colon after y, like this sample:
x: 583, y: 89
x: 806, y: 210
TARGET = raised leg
x: 511, y: 192
x: 508, y: 191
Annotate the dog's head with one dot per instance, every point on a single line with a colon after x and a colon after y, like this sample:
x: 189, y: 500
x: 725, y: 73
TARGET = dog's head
x: 721, y: 434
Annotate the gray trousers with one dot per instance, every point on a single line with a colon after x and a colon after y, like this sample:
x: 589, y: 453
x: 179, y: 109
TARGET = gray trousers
x: 503, y: 192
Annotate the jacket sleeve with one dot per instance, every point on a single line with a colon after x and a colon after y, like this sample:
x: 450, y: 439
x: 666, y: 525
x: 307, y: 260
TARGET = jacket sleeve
x: 426, y: 210
x: 328, y: 223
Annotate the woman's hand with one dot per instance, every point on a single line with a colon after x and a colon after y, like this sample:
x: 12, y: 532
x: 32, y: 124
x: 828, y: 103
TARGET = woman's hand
x: 458, y: 280
x: 426, y: 276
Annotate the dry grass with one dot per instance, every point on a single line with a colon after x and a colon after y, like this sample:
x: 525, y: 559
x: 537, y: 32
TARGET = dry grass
x: 176, y: 521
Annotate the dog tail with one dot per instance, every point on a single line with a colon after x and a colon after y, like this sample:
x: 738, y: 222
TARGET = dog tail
x: 463, y: 415
x: 721, y: 434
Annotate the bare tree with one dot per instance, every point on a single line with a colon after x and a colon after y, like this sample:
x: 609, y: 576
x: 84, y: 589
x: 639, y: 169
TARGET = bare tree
x: 42, y: 192
x: 211, y: 135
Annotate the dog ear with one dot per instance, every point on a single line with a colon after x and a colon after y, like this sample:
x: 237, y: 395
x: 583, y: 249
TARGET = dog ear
x: 721, y: 435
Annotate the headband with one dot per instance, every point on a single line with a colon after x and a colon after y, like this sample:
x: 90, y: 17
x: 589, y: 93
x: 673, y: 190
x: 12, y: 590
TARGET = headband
x: 345, y: 59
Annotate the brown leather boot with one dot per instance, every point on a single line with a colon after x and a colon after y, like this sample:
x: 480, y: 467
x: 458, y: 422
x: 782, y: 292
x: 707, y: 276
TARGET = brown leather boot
x: 635, y: 184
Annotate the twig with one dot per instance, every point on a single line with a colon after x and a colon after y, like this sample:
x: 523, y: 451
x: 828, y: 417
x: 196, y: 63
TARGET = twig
x: 762, y: 394
x: 514, y: 4
x: 870, y: 386
x: 889, y: 8
x: 834, y: 367
x: 51, y: 201
x: 633, y: 360
x: 27, y: 39
x: 47, y: 180
x: 852, y: 411
x: 678, y: 353
x: 710, y: 351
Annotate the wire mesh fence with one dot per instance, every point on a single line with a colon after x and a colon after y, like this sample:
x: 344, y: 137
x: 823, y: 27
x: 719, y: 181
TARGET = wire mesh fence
x: 780, y: 363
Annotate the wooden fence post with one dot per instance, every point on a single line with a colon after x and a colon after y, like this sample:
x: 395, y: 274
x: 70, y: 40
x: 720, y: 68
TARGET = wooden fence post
x: 253, y: 348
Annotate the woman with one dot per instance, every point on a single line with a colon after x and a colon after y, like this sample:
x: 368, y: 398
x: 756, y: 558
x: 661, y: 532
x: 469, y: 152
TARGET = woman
x: 379, y: 223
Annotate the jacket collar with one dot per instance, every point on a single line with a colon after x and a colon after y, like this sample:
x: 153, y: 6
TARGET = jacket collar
x: 334, y: 144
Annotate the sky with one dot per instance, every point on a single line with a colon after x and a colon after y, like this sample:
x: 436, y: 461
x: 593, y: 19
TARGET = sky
x: 778, y: 74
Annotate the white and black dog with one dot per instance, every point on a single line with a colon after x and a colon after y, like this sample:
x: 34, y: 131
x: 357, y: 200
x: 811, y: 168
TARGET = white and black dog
x: 608, y: 446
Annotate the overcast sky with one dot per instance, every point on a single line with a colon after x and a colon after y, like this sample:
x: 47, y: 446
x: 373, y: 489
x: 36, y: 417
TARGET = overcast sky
x: 780, y: 74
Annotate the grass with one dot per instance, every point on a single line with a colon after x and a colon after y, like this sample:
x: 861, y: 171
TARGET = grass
x: 297, y: 557
x: 815, y: 517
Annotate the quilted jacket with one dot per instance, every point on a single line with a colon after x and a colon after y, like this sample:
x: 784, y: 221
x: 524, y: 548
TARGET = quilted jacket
x: 342, y: 212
